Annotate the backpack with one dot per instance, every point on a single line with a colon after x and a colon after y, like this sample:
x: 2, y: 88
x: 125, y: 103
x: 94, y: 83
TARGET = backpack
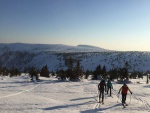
x: 102, y: 86
x: 109, y: 84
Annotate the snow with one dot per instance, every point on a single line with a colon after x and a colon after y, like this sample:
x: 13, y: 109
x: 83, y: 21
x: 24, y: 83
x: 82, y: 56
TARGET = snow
x: 21, y: 55
x: 19, y: 95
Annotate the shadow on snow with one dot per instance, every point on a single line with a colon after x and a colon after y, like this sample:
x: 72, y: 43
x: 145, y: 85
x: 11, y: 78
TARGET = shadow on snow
x: 85, y: 103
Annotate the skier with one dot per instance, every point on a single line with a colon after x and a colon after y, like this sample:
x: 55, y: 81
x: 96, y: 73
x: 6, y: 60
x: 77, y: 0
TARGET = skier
x: 109, y: 86
x: 124, y: 89
x: 101, y: 88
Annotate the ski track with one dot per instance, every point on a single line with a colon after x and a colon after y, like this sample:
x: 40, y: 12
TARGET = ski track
x: 137, y: 103
x: 36, y: 84
x: 15, y: 94
x: 144, y: 105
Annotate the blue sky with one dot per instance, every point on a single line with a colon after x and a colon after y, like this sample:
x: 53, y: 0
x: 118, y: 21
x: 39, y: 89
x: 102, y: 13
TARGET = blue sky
x: 110, y: 24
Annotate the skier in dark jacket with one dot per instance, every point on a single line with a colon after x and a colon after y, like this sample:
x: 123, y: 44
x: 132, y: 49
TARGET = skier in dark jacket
x: 109, y: 86
x: 101, y: 88
x: 124, y: 89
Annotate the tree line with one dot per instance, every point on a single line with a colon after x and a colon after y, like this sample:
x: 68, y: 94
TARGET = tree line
x: 75, y: 72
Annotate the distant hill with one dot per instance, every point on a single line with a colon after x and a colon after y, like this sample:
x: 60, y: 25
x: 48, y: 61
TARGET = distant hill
x: 50, y: 47
x: 23, y: 55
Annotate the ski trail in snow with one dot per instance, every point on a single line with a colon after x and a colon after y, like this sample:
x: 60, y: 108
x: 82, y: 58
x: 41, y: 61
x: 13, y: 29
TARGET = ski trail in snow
x: 144, y: 103
x: 117, y: 95
x: 97, y: 105
x: 23, y: 91
x: 19, y: 92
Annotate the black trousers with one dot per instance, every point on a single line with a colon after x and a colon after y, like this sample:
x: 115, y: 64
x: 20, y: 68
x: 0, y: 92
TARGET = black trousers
x: 124, y: 96
x: 109, y: 88
x: 101, y: 94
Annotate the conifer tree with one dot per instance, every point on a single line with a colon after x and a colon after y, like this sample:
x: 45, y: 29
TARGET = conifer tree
x: 113, y: 74
x: 5, y: 71
x: 147, y: 81
x: 77, y: 71
x: 61, y: 74
x: 44, y: 71
x: 33, y: 73
x: 87, y: 73
x: 96, y: 72
x: 53, y: 73
x: 69, y: 72
x: 103, y: 72
x: 14, y: 72
x: 123, y: 73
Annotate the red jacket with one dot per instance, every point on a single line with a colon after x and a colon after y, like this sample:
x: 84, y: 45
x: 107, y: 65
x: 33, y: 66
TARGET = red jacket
x: 124, y: 89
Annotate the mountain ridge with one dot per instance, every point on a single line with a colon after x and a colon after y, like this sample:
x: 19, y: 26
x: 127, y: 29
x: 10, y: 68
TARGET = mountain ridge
x: 54, y: 56
x: 52, y: 47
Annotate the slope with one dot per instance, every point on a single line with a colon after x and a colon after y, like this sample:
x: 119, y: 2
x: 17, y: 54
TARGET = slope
x: 18, y: 95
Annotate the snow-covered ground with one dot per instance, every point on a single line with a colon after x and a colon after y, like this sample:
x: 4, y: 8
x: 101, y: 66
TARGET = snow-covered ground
x: 18, y: 95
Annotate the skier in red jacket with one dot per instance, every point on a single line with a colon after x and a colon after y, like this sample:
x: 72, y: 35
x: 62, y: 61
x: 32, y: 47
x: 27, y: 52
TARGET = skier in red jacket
x: 124, y: 89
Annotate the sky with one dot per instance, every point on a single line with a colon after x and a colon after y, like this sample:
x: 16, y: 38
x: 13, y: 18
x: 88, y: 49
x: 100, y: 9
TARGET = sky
x: 111, y: 24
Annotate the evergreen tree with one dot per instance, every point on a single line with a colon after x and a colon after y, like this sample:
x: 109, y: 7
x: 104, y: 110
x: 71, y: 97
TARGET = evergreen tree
x: 127, y: 66
x: 5, y: 71
x: 103, y: 72
x: 113, y: 74
x: 133, y: 75
x: 136, y: 74
x: 73, y: 73
x: 33, y: 73
x: 77, y: 73
x: 87, y: 73
x: 96, y: 72
x: 44, y: 71
x: 61, y: 74
x: 69, y: 72
x: 14, y: 72
x: 147, y: 81
x: 104, y: 69
x: 53, y: 73
x: 123, y: 73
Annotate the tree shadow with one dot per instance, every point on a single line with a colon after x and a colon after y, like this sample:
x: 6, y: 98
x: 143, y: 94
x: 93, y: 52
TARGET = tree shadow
x: 147, y: 86
x: 99, y: 109
x: 67, y: 106
x: 82, y: 98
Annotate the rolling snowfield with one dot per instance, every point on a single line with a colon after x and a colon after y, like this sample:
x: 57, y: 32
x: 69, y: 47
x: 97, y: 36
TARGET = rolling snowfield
x: 19, y: 95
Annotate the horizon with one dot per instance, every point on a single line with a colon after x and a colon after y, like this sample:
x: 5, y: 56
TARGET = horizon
x: 113, y: 25
x: 77, y: 46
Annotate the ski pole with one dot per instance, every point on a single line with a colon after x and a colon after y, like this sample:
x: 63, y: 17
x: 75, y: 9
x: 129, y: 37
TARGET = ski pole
x: 98, y: 97
x: 118, y: 97
x: 130, y: 98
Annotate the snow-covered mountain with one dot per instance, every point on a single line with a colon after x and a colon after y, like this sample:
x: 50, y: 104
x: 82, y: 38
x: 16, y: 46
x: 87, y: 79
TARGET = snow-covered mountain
x: 54, y: 56
x: 60, y: 48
